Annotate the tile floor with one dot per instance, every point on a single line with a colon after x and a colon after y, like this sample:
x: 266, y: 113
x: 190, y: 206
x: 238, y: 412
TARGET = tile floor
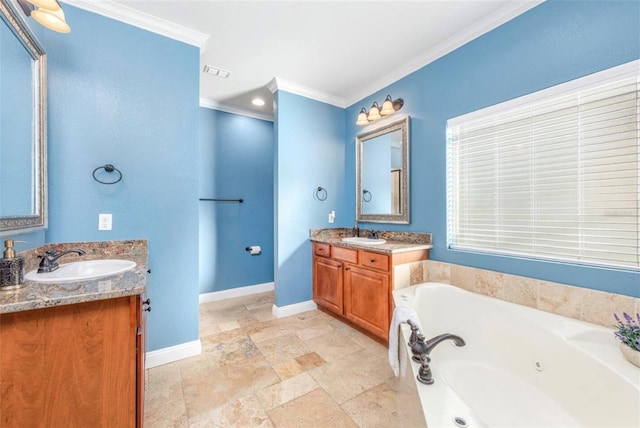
x: 307, y: 370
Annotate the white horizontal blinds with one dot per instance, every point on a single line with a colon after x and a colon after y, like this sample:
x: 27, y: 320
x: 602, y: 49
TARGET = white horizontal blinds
x: 557, y: 178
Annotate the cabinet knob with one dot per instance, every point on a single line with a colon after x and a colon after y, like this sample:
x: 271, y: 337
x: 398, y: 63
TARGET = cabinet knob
x: 347, y: 268
x: 373, y: 260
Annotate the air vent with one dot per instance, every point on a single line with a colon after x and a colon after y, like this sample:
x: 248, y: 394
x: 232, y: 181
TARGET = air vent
x: 215, y: 71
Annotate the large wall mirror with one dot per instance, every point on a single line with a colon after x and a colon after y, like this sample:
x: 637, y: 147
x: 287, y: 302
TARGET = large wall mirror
x: 382, y: 173
x: 22, y: 126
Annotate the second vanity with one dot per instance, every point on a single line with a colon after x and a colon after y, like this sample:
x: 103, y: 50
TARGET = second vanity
x: 72, y: 354
x: 354, y: 280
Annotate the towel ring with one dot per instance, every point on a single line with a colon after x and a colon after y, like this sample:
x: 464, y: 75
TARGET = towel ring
x: 109, y: 168
x: 321, y: 194
x: 364, y: 195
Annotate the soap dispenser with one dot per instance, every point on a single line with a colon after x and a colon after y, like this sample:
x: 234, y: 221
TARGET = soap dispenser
x: 11, y: 268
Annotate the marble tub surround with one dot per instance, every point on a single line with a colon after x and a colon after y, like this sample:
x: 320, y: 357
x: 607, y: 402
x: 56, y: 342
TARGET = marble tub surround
x: 396, y: 241
x: 592, y: 306
x: 35, y: 295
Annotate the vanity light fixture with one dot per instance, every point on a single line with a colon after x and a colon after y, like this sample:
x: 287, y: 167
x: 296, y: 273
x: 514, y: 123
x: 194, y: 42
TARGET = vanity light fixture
x: 47, y: 13
x: 362, y: 117
x: 389, y: 106
x: 374, y: 112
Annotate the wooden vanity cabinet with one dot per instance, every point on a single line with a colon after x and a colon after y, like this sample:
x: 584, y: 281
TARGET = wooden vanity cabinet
x: 76, y: 365
x: 327, y: 287
x: 357, y: 284
x: 366, y: 299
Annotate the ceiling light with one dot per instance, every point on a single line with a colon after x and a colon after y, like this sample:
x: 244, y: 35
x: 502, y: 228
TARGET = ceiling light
x: 215, y: 71
x: 389, y: 106
x: 257, y: 102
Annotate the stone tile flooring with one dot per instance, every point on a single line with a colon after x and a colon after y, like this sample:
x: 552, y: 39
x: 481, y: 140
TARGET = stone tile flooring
x: 307, y: 370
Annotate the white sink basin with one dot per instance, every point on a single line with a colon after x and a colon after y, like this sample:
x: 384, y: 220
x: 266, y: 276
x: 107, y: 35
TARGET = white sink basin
x: 363, y: 241
x: 76, y: 271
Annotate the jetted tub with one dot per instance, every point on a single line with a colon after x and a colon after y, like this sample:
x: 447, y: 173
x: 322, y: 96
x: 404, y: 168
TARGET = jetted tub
x: 521, y: 367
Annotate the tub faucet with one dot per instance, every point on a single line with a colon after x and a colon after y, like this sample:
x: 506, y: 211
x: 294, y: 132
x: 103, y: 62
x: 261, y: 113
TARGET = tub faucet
x: 49, y: 260
x: 420, y: 347
x: 435, y: 341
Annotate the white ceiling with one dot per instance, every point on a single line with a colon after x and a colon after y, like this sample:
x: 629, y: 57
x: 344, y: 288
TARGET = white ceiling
x: 335, y: 51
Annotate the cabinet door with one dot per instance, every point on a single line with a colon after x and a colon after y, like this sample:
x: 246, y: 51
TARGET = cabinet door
x: 366, y: 299
x: 69, y: 366
x: 327, y: 284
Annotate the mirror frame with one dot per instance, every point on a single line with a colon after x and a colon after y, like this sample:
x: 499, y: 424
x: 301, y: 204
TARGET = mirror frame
x: 12, y: 225
x: 381, y: 129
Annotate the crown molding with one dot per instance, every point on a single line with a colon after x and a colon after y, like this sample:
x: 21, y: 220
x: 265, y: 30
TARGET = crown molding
x: 214, y: 105
x: 142, y: 20
x: 501, y: 16
x: 278, y: 84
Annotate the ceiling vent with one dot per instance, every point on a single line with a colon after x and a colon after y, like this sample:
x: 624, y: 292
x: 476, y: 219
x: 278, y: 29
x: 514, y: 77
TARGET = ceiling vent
x: 215, y: 71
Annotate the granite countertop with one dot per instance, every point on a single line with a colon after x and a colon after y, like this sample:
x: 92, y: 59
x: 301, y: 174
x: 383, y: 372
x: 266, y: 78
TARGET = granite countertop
x: 36, y: 295
x: 397, y: 242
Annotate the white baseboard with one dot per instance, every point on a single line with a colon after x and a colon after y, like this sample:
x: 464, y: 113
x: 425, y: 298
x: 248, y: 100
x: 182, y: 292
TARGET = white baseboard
x: 173, y: 353
x: 296, y: 308
x: 236, y: 292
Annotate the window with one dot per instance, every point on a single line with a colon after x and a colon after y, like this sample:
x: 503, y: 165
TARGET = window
x: 551, y: 175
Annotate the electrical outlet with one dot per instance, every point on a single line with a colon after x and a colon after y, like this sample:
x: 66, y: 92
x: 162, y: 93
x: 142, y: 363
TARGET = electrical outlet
x: 105, y: 221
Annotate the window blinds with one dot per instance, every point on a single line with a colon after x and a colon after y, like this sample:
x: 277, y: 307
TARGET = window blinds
x: 553, y: 175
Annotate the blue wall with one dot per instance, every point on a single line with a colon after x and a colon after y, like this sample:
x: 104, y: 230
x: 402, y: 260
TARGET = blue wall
x: 125, y: 96
x: 552, y: 43
x: 309, y: 153
x: 236, y: 161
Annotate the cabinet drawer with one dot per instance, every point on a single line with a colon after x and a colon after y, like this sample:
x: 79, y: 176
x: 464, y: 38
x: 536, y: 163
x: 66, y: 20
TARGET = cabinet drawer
x: 321, y: 249
x: 375, y: 260
x: 344, y: 254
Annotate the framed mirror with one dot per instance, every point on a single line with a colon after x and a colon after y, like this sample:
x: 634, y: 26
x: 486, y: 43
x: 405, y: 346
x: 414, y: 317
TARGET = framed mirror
x: 22, y: 126
x: 382, y: 173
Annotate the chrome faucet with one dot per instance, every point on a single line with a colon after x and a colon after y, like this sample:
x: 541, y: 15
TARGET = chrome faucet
x: 49, y: 260
x: 356, y: 229
x: 372, y: 234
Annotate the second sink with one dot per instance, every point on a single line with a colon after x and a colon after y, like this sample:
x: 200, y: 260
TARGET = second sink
x: 86, y: 269
x: 363, y: 241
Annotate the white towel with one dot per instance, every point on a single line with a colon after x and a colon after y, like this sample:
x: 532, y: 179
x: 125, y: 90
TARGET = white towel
x: 397, y: 352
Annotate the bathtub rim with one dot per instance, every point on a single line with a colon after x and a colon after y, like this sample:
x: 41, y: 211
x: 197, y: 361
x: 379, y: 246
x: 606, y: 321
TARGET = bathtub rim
x: 576, y: 333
